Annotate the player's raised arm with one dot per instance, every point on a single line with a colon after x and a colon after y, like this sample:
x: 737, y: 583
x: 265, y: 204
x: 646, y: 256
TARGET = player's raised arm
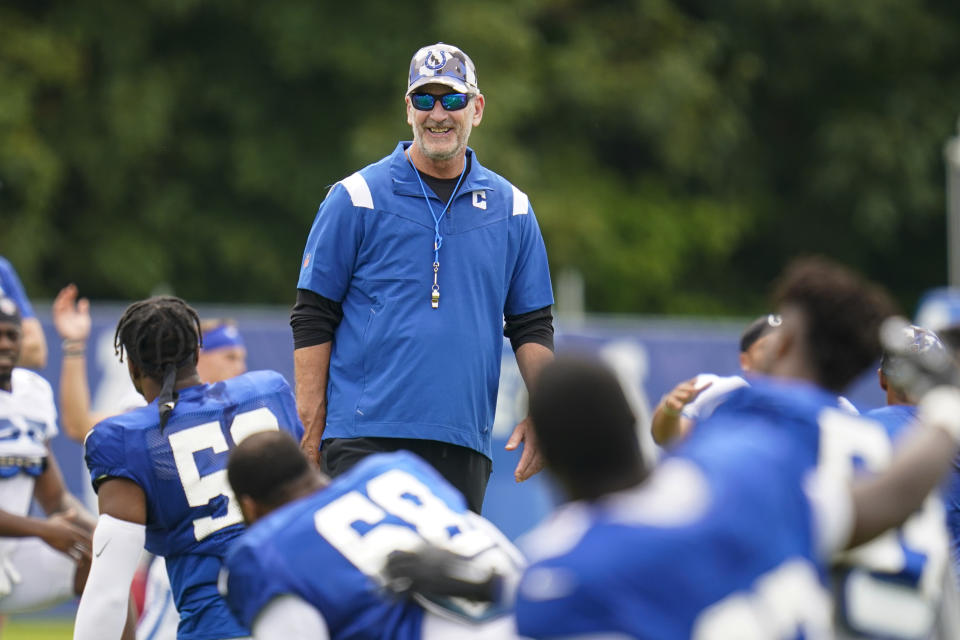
x: 71, y: 318
x: 668, y: 423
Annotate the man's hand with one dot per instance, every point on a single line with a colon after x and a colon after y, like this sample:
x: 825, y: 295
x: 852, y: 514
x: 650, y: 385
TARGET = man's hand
x: 75, y: 512
x: 531, y: 462
x: 311, y: 366
x: 71, y: 317
x: 64, y: 536
x: 310, y: 445
x: 681, y: 395
x: 668, y: 423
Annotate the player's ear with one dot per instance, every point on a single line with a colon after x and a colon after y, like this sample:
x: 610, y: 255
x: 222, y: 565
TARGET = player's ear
x: 249, y: 508
x: 788, y: 340
x: 882, y: 378
x: 406, y: 100
x: 136, y: 375
x: 789, y: 337
x: 478, y: 104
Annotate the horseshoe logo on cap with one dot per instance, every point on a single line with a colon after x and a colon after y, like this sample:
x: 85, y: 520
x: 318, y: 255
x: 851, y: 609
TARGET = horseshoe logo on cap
x: 435, y: 60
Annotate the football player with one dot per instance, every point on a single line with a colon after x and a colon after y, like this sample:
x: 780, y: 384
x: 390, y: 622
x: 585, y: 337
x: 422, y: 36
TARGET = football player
x: 900, y: 585
x: 33, y: 353
x: 310, y: 565
x: 222, y: 356
x: 939, y: 311
x: 695, y: 399
x: 160, y: 472
x: 677, y: 410
x: 43, y: 561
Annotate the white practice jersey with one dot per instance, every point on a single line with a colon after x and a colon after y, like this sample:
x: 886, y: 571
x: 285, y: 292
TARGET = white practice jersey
x: 720, y: 387
x: 28, y: 419
x: 708, y: 399
x: 33, y: 575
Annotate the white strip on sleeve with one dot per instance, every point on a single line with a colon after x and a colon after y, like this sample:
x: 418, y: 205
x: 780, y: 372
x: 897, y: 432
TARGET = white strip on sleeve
x: 117, y: 545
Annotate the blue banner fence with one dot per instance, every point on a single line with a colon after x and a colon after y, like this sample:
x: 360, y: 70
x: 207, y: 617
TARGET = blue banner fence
x: 650, y: 355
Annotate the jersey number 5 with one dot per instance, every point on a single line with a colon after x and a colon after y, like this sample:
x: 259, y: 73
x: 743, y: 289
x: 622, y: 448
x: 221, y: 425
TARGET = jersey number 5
x: 199, y: 489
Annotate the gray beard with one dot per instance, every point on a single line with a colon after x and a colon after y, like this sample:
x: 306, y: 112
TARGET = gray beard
x: 439, y: 156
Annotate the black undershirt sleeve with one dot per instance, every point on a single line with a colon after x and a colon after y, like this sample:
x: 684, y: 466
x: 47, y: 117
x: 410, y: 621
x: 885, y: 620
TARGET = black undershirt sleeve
x: 533, y: 326
x: 314, y: 319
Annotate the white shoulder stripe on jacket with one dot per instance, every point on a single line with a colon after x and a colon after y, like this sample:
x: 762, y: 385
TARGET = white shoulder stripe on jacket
x: 359, y: 191
x: 521, y: 203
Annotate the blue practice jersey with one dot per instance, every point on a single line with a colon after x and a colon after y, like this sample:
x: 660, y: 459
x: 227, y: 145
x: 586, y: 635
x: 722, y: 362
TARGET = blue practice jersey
x: 398, y: 367
x: 192, y: 515
x: 721, y: 541
x: 895, y: 418
x: 329, y: 548
x: 951, y: 497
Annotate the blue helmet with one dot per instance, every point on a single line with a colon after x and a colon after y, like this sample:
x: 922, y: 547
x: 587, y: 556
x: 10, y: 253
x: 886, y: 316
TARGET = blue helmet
x: 939, y: 309
x: 9, y: 312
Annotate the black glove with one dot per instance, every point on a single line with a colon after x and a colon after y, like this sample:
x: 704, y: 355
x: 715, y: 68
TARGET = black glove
x: 437, y: 573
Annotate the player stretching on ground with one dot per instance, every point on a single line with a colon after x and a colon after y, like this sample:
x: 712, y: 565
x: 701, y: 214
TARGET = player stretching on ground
x: 309, y: 568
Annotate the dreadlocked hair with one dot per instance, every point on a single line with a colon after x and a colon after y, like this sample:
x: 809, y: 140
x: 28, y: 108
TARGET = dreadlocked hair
x: 160, y: 335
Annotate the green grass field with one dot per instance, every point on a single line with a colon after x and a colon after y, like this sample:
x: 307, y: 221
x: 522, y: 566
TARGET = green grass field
x: 33, y: 629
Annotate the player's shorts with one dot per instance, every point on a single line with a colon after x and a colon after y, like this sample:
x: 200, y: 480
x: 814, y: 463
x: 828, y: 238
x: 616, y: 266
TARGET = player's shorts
x: 46, y: 576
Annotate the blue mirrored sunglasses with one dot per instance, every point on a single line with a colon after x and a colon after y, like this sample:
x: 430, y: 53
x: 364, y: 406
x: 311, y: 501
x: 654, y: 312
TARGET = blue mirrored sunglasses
x: 449, y: 101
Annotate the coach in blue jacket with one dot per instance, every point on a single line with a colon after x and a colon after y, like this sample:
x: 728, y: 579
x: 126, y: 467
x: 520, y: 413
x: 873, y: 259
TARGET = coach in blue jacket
x: 415, y: 267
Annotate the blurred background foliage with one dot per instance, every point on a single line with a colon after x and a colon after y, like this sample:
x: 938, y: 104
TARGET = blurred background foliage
x: 677, y: 152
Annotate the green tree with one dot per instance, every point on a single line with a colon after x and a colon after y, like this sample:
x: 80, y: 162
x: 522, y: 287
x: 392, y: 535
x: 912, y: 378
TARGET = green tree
x: 677, y: 153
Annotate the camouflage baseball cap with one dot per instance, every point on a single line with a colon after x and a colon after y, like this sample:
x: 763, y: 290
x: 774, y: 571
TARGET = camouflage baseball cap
x: 442, y: 64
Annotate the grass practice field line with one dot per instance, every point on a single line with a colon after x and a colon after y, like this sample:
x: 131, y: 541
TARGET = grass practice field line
x: 51, y: 629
